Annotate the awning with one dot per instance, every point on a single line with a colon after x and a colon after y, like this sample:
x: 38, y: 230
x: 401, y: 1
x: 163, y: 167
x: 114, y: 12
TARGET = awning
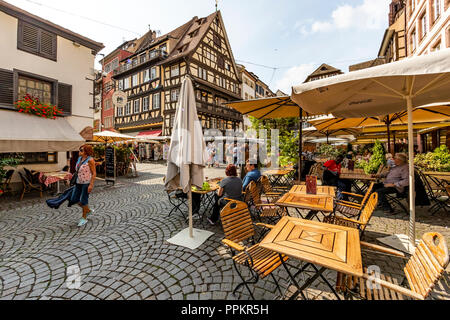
x: 149, y: 134
x: 27, y: 133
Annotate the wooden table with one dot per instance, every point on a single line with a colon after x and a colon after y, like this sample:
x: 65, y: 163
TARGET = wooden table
x: 321, y: 190
x: 314, y: 203
x: 207, y: 196
x: 440, y: 175
x: 357, y: 174
x: 319, y: 244
x: 276, y: 176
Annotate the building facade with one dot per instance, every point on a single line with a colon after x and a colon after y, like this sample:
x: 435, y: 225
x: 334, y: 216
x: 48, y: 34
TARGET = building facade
x: 104, y: 110
x: 50, y: 63
x: 324, y: 71
x: 427, y: 26
x: 151, y: 78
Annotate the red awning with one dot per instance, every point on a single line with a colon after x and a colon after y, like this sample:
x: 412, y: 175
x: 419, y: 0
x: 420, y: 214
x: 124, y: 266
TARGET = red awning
x: 149, y: 134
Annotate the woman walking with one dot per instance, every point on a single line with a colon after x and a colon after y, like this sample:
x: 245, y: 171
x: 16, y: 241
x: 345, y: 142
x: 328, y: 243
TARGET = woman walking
x: 85, y: 181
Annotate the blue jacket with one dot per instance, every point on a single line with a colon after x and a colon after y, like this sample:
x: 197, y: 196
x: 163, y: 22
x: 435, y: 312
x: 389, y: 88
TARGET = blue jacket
x: 56, y: 203
x: 251, y: 176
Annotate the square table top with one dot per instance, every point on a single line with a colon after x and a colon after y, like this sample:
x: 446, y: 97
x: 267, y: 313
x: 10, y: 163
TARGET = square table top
x: 357, y: 174
x: 321, y: 190
x: 327, y: 245
x: 306, y: 201
x: 278, y: 172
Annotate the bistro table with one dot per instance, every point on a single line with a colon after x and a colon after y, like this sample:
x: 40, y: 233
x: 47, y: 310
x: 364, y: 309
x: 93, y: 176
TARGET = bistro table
x: 321, y: 190
x: 208, y: 196
x: 279, y: 177
x: 48, y: 178
x: 314, y: 203
x: 357, y: 175
x: 318, y: 244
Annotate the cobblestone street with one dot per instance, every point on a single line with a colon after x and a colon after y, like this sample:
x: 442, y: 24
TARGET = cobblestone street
x: 123, y: 254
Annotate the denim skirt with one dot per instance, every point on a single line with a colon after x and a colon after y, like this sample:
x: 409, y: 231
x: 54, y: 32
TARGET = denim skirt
x: 80, y: 194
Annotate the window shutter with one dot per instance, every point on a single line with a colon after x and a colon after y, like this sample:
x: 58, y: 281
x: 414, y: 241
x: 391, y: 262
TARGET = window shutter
x: 65, y: 98
x: 221, y: 62
x: 48, y: 45
x: 6, y: 87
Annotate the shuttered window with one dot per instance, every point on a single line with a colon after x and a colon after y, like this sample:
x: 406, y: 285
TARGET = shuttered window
x: 36, y: 40
x: 6, y: 88
x: 65, y: 98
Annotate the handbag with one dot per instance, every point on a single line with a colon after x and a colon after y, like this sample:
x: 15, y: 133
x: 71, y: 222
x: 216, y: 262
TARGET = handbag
x: 73, y: 180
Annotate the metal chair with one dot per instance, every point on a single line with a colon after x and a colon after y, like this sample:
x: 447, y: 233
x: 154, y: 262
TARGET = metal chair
x: 363, y: 220
x: 239, y: 229
x: 436, y: 191
x: 28, y: 186
x: 422, y: 272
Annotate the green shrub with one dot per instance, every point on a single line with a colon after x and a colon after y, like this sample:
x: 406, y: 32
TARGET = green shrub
x: 438, y: 161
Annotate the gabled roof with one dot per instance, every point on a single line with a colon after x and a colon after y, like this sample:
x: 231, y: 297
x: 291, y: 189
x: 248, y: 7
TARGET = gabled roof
x: 49, y: 26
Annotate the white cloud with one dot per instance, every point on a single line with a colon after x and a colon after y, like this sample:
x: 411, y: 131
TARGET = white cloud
x: 371, y: 14
x: 294, y: 76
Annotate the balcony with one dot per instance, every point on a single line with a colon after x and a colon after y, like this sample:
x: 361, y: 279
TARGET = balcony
x: 151, y: 57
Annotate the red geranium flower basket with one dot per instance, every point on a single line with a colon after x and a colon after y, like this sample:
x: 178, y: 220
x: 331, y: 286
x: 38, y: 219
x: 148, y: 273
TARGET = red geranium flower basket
x: 32, y: 105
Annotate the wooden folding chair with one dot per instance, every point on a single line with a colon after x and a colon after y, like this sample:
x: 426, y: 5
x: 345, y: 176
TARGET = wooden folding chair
x: 239, y: 238
x: 352, y: 209
x: 263, y: 210
x: 422, y: 272
x: 267, y: 190
x: 28, y: 186
x: 363, y: 220
x: 6, y: 181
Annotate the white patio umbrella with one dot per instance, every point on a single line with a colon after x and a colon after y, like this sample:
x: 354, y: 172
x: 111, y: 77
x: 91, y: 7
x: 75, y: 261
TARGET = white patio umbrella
x: 187, y: 153
x: 111, y: 137
x: 382, y: 90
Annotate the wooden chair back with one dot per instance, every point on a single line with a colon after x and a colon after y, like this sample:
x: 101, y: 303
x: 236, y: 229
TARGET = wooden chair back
x: 237, y: 222
x: 368, y: 210
x: 25, y: 182
x: 265, y: 184
x: 368, y: 192
x: 254, y: 192
x: 428, y: 263
x: 7, y: 179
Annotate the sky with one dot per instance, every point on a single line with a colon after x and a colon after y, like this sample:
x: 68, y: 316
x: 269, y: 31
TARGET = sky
x: 281, y: 41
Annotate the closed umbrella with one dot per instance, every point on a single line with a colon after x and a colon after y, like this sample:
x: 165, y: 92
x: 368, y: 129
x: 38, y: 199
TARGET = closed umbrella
x: 187, y: 156
x: 382, y: 90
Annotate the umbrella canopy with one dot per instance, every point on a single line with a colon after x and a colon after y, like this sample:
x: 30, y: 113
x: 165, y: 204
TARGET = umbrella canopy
x: 315, y: 132
x: 111, y: 137
x: 268, y: 108
x: 187, y: 153
x: 379, y: 90
x: 383, y: 90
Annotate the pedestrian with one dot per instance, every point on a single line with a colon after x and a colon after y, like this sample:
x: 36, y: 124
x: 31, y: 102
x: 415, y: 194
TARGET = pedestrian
x: 84, y: 185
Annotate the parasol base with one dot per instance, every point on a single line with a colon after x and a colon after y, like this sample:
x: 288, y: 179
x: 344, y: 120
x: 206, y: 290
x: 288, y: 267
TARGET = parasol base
x: 400, y: 242
x: 184, y: 240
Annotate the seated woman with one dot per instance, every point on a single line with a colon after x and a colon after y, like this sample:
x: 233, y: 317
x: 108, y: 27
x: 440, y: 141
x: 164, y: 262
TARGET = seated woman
x: 229, y: 188
x: 332, y: 170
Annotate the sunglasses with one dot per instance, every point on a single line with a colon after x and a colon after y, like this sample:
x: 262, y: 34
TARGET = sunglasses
x: 81, y: 150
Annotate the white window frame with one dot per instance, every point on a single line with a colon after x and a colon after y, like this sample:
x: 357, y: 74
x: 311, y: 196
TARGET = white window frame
x: 174, y: 98
x: 145, y: 103
x: 135, y: 80
x: 156, y: 103
x: 174, y: 71
x: 153, y: 73
x: 146, y: 75
x: 126, y: 83
x: 138, y: 104
x: 128, y: 108
x: 120, y: 111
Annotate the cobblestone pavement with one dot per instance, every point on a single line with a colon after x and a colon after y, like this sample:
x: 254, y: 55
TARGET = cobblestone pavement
x: 122, y: 252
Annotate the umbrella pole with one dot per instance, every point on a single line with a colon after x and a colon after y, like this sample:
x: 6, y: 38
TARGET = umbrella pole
x: 300, y: 145
x: 389, y: 136
x: 412, y: 206
x: 191, y: 232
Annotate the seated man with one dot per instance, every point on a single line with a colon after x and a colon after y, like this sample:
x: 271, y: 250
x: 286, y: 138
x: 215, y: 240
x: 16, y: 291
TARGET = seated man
x: 332, y: 170
x: 229, y: 188
x: 253, y: 174
x: 396, y: 180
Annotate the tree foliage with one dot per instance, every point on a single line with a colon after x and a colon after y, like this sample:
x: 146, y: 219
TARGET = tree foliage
x: 439, y: 160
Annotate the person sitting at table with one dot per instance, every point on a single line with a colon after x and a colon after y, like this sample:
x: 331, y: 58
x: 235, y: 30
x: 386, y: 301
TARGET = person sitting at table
x: 229, y: 188
x: 332, y: 170
x: 397, y: 179
x: 253, y: 174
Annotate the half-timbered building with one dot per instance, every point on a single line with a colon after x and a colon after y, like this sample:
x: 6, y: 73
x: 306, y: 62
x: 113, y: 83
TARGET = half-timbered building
x: 151, y: 78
